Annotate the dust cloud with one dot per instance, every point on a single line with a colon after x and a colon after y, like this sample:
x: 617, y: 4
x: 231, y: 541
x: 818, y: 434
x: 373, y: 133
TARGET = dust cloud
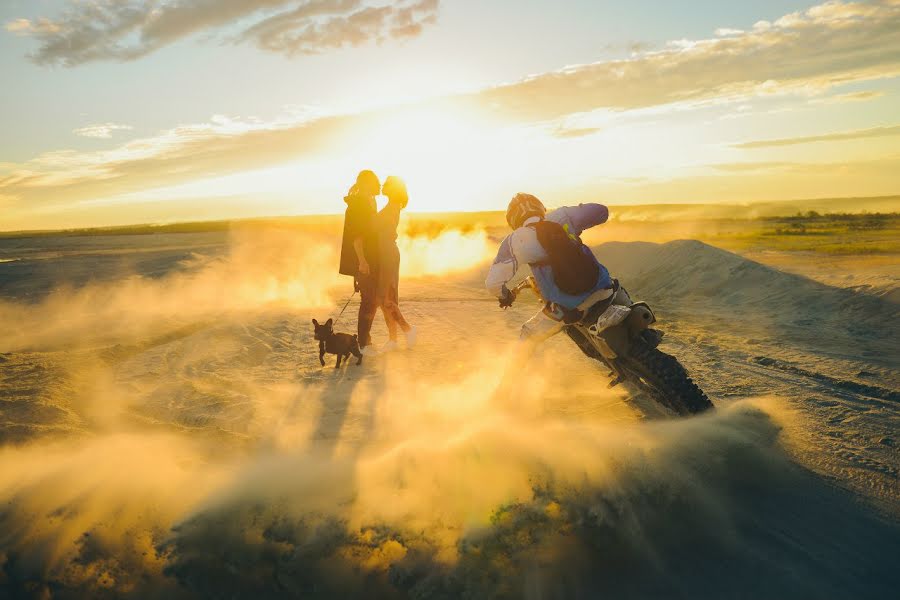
x: 450, y: 251
x: 262, y: 270
x: 220, y: 460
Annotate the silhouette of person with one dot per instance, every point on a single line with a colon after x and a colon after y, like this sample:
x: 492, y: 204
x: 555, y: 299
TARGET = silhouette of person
x: 389, y: 262
x: 359, y: 250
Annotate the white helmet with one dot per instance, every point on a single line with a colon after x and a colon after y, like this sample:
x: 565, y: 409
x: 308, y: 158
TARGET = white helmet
x: 522, y: 207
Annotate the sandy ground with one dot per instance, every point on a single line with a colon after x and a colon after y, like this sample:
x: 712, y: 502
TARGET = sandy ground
x: 877, y: 275
x: 167, y: 430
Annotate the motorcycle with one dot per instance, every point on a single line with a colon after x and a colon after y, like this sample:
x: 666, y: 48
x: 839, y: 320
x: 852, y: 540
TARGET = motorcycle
x: 617, y: 333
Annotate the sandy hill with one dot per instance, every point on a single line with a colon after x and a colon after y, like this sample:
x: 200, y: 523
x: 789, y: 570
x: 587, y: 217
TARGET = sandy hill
x: 688, y: 275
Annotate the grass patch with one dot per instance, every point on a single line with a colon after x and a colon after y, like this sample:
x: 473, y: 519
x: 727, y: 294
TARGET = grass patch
x: 861, y: 234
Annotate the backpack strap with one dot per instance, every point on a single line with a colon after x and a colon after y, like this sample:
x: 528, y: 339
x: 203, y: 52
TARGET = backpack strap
x: 540, y: 263
x: 565, y: 228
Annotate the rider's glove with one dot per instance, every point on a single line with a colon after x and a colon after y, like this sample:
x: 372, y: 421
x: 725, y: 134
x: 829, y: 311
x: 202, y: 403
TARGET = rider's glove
x: 506, y: 297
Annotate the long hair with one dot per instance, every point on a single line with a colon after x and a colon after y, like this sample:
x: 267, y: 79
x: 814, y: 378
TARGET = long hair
x: 395, y: 189
x: 367, y: 184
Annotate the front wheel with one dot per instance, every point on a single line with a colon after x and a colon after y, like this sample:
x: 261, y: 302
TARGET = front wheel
x: 665, y: 379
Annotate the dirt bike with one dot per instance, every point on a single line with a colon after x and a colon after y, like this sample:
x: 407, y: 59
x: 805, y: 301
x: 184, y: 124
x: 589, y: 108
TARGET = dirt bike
x: 617, y: 332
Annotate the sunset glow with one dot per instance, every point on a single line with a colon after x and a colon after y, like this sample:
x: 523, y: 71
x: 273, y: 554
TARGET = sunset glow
x: 788, y: 100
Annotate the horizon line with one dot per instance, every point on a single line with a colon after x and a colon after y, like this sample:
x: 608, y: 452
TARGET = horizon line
x: 10, y: 232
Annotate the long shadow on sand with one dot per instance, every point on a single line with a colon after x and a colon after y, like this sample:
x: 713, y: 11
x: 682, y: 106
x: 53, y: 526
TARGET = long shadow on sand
x: 342, y: 383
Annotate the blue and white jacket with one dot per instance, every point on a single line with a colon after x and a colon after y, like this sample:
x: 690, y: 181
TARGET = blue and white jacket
x: 522, y: 247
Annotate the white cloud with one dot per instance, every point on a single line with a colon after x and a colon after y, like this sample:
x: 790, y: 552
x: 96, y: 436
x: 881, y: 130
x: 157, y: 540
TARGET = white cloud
x: 822, y: 49
x: 102, y: 131
x: 808, y: 53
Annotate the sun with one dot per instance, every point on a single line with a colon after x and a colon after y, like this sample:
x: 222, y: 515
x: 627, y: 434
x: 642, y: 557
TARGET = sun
x: 438, y: 152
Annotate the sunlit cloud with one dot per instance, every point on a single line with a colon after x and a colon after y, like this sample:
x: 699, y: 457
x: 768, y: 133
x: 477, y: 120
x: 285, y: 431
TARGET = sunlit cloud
x: 806, y: 54
x: 566, y: 132
x: 102, y: 131
x: 755, y: 182
x: 828, y: 137
x: 863, y: 96
x: 848, y: 167
x: 743, y: 167
x: 187, y: 152
x: 810, y: 52
x: 124, y: 30
x: 295, y: 32
x: 39, y: 26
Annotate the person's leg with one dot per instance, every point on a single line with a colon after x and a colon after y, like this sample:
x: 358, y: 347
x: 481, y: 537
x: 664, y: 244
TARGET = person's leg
x: 368, y: 306
x: 390, y: 320
x: 539, y: 328
x: 392, y: 306
x: 401, y: 322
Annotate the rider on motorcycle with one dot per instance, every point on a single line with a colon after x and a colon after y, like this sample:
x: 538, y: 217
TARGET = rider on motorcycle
x: 565, y: 299
x: 580, y: 297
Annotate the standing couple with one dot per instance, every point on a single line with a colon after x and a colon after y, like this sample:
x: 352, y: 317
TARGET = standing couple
x: 369, y: 254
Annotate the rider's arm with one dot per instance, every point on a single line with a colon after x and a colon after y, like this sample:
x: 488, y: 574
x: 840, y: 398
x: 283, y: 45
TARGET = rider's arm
x: 503, y: 269
x: 585, y: 216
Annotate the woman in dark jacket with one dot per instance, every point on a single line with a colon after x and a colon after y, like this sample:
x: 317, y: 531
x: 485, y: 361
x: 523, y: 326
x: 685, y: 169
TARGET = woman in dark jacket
x: 359, y: 250
x: 389, y: 262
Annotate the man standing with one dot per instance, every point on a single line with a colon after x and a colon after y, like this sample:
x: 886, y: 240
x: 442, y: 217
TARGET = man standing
x: 359, y: 251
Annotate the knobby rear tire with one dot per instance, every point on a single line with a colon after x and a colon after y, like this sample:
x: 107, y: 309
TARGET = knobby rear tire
x: 664, y: 377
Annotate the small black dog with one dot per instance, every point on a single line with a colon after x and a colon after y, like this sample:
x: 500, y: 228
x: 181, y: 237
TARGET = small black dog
x: 342, y: 344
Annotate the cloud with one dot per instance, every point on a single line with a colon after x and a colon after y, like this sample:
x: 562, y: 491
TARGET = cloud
x: 298, y: 31
x: 124, y: 30
x: 25, y: 26
x: 743, y: 167
x: 863, y: 96
x: 750, y: 182
x: 566, y: 132
x: 222, y: 146
x: 828, y: 137
x: 852, y: 167
x: 828, y: 45
x: 102, y: 131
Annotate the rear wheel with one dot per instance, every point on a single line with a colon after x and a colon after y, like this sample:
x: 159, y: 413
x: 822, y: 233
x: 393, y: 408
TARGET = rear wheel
x: 665, y: 379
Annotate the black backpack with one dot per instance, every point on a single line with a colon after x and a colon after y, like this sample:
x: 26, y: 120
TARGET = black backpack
x: 575, y: 269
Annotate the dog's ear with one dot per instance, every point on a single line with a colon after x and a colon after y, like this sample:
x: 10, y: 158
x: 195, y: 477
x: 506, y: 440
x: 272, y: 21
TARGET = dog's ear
x: 329, y: 323
x: 316, y: 323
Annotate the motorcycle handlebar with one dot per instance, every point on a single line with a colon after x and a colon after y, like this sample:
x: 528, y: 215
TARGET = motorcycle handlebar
x: 509, y: 295
x: 528, y: 282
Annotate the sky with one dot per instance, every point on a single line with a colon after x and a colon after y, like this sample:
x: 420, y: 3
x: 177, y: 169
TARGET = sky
x: 153, y: 111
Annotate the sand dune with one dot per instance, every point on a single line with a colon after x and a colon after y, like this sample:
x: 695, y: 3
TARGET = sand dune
x: 171, y: 448
x: 731, y: 289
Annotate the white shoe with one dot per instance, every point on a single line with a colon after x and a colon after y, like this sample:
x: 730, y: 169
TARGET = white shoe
x: 369, y: 350
x: 411, y: 336
x: 389, y: 347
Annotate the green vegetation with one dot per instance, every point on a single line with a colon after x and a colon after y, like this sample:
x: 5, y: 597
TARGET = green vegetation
x: 144, y: 229
x: 840, y: 233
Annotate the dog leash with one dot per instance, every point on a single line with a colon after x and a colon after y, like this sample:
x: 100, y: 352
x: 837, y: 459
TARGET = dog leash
x: 345, y: 307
